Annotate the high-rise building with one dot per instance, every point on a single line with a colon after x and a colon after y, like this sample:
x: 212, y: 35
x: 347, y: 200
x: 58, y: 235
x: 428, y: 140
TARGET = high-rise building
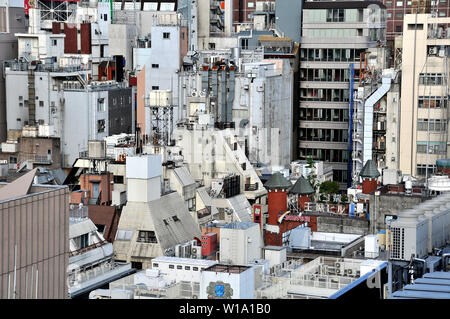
x: 424, y: 93
x: 335, y: 37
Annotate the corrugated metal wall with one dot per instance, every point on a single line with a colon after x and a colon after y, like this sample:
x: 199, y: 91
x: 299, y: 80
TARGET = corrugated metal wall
x: 86, y: 47
x: 70, y: 42
x: 37, y: 228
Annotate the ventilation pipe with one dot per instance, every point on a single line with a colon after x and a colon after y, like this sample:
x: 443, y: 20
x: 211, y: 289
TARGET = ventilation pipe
x: 368, y: 116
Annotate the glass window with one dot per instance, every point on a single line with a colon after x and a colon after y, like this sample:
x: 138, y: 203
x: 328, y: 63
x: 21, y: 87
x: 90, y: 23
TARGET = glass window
x: 147, y: 237
x: 399, y: 3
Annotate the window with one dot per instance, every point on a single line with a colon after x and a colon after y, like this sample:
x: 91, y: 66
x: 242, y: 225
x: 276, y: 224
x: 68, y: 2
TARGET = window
x: 212, y: 46
x: 442, y: 14
x: 195, y: 268
x: 399, y: 3
x: 166, y: 35
x: 431, y: 78
x: 155, y: 66
x: 388, y: 3
x: 101, y: 105
x: 175, y: 218
x: 171, y: 267
x: 13, y: 160
x: 251, y: 4
x: 155, y: 265
x: 54, y: 43
x: 434, y: 125
x: 101, y: 126
x: 422, y: 169
x: 399, y: 15
x: 433, y: 147
x: 179, y: 267
x: 432, y: 102
x: 335, y: 15
x: 187, y: 267
x: 41, y: 103
x: 398, y: 28
x: 389, y: 14
x: 118, y: 179
x: 147, y: 237
x: 105, y: 17
x: 155, y: 87
x: 244, y: 44
x: 82, y: 241
x: 124, y: 235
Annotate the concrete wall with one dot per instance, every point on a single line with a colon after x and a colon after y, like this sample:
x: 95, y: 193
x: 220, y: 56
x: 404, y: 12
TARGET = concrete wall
x: 391, y: 205
x: 38, y: 225
x: 342, y: 225
x: 8, y: 50
x: 243, y: 284
x: 240, y: 246
x: 288, y: 18
x: 121, y: 42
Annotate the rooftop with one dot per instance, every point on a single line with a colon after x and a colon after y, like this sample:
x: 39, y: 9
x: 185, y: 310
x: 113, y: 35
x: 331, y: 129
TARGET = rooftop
x: 231, y: 269
x: 435, y: 285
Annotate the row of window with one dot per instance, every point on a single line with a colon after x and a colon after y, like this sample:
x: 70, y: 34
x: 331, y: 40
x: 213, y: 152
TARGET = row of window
x: 421, y: 169
x: 333, y: 15
x: 409, y: 3
x: 335, y: 115
x: 434, y: 125
x: 327, y: 155
x: 179, y: 267
x: 433, y: 147
x: 431, y: 78
x: 323, y: 135
x: 326, y: 95
x: 433, y: 102
x: 327, y: 75
x: 331, y: 55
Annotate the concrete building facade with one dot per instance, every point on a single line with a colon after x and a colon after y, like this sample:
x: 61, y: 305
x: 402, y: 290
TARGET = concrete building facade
x: 13, y: 21
x: 334, y: 37
x: 424, y: 94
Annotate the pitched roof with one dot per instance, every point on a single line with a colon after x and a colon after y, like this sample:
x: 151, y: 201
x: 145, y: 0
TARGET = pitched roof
x: 277, y: 181
x: 19, y: 187
x: 369, y: 170
x: 302, y: 187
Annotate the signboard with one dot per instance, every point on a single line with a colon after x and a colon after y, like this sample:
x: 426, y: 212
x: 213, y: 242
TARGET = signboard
x: 293, y: 218
x: 339, y: 209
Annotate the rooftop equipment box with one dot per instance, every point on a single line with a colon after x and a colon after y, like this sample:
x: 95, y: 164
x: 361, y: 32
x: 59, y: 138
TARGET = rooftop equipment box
x: 209, y: 244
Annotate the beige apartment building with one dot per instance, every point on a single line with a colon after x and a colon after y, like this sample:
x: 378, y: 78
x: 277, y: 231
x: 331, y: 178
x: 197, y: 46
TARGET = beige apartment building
x: 424, y: 134
x: 34, y: 239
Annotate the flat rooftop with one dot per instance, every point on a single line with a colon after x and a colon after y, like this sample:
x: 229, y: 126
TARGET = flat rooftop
x: 231, y: 269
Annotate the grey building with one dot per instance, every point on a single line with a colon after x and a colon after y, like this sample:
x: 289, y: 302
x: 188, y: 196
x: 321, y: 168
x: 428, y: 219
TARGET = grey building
x: 12, y: 20
x: 120, y: 111
x: 34, y: 246
x: 335, y: 37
